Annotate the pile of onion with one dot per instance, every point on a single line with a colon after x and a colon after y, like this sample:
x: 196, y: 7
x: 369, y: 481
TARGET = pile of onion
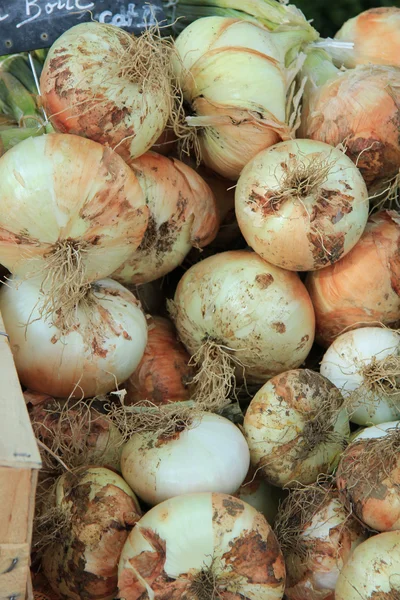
x: 235, y: 312
x: 90, y: 359
x: 163, y: 374
x: 301, y: 205
x: 317, y: 537
x: 202, y: 546
x: 368, y: 476
x: 365, y: 365
x: 182, y: 214
x: 236, y: 76
x: 99, y: 509
x: 359, y: 109
x: 364, y: 287
x: 102, y: 83
x: 295, y: 426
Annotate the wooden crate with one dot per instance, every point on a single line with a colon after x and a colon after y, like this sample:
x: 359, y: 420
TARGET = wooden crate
x: 19, y: 465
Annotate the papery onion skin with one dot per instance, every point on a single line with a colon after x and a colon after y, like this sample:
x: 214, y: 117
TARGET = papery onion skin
x: 375, y: 34
x: 63, y: 188
x: 181, y: 537
x: 102, y: 508
x: 276, y: 426
x: 363, y: 288
x: 344, y: 362
x: 302, y: 232
x: 183, y: 214
x: 372, y: 573
x: 85, y: 93
x: 259, y: 311
x: 87, y: 361
x: 209, y: 456
x: 163, y: 374
x: 370, y: 485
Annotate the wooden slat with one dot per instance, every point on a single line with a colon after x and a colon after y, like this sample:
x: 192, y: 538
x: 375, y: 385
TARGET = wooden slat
x: 18, y: 447
x: 14, y: 571
x: 15, y: 505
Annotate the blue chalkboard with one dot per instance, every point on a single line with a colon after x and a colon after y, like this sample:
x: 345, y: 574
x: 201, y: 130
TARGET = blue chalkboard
x: 30, y: 24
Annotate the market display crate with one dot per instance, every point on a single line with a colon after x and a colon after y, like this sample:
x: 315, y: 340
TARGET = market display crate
x: 19, y: 466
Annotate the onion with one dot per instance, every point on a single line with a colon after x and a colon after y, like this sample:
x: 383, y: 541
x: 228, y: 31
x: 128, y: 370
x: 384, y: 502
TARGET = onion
x: 261, y: 496
x: 183, y: 213
x: 365, y: 365
x: 375, y: 35
x: 210, y: 455
x: 91, y: 359
x: 234, y: 309
x: 359, y: 109
x: 163, y: 374
x: 368, y: 476
x: 372, y: 573
x: 71, y: 211
x: 102, y: 83
x: 364, y: 287
x: 295, y: 425
x: 99, y: 510
x: 317, y: 537
x: 235, y: 81
x: 75, y: 432
x: 301, y: 205
x: 202, y: 546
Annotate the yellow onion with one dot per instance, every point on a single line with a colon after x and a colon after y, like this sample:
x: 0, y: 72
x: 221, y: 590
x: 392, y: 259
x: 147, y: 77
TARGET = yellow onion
x: 368, y: 476
x: 317, y: 537
x: 90, y: 359
x: 363, y: 288
x: 375, y: 35
x: 295, y: 426
x: 102, y: 83
x: 202, y: 546
x: 163, y: 373
x: 372, y: 573
x: 358, y: 108
x: 235, y: 82
x: 76, y: 432
x: 71, y: 211
x: 234, y: 311
x: 182, y: 214
x: 99, y: 509
x: 301, y: 205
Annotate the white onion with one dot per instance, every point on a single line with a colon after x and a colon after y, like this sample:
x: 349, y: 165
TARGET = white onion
x: 376, y: 431
x: 103, y: 349
x: 295, y: 426
x: 301, y: 204
x: 260, y: 495
x: 346, y: 363
x: 373, y: 572
x: 210, y: 456
x: 215, y: 541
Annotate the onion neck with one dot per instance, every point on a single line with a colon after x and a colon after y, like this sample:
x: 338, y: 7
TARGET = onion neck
x: 319, y: 68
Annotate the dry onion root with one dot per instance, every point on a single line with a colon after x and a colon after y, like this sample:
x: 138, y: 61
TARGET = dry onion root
x: 317, y: 537
x: 102, y: 83
x: 99, y: 510
x: 295, y: 426
x: 368, y: 476
x: 363, y: 288
x: 202, y: 546
x: 365, y: 365
x: 88, y: 360
x: 239, y: 316
x: 301, y: 205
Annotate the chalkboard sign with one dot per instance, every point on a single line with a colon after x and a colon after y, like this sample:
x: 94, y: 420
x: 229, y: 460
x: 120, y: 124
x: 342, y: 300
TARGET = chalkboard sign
x: 31, y: 24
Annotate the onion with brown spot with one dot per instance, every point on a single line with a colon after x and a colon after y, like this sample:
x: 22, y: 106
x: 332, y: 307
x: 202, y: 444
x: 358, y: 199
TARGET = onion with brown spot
x: 202, y: 546
x: 295, y: 426
x: 363, y: 288
x: 182, y: 214
x: 100, y: 509
x: 301, y: 205
x: 91, y: 359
